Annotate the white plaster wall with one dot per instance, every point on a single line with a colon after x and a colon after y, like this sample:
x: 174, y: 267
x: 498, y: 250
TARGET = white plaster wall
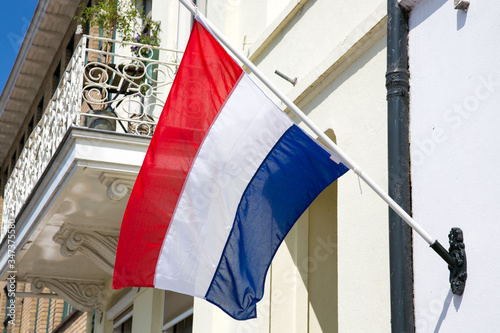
x: 455, y: 139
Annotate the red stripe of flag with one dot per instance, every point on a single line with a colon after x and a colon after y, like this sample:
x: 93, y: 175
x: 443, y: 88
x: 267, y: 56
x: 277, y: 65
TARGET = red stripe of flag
x: 204, y: 80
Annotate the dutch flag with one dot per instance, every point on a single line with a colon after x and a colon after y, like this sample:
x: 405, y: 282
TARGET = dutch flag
x: 225, y: 177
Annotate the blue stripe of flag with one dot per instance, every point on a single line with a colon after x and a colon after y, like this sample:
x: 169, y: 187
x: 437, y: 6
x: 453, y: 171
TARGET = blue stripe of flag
x: 293, y: 174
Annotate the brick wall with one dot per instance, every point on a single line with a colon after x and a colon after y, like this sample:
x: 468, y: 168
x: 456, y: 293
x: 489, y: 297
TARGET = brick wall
x: 39, y: 315
x: 79, y: 325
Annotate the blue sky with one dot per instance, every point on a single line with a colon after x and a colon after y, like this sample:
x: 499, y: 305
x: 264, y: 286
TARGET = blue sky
x: 15, y: 17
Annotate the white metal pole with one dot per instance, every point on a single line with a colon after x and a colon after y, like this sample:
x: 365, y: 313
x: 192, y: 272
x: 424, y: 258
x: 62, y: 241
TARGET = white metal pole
x: 345, y: 159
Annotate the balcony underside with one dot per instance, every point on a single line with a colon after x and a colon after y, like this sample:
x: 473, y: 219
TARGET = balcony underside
x: 68, y: 227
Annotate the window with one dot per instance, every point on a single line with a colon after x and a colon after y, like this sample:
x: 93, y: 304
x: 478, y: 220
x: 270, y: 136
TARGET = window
x: 183, y: 326
x: 177, y: 313
x: 56, y: 77
x: 146, y: 7
x: 5, y: 176
x: 67, y: 309
x: 123, y: 322
x: 70, y: 47
x: 38, y: 112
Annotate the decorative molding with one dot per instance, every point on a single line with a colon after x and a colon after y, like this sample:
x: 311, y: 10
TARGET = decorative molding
x: 84, y: 295
x: 118, y: 185
x: 341, y: 57
x: 275, y: 28
x: 98, y: 246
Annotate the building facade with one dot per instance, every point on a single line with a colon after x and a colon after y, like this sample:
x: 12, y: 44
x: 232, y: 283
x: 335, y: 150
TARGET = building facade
x: 76, y: 117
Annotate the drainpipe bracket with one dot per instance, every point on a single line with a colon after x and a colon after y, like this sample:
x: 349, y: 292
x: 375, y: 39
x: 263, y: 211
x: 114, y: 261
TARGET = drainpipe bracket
x: 397, y: 82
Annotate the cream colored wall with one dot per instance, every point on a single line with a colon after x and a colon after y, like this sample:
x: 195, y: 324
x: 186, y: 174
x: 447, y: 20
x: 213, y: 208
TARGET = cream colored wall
x: 148, y: 311
x: 354, y: 106
x: 237, y: 18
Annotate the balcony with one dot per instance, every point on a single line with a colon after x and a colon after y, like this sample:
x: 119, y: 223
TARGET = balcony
x: 107, y: 86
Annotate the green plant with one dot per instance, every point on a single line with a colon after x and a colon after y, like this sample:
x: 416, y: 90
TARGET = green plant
x: 148, y: 36
x: 126, y: 19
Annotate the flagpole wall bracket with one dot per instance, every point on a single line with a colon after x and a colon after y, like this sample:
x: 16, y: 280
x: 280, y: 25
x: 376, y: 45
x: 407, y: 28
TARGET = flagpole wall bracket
x: 458, y: 274
x: 292, y: 81
x: 456, y: 259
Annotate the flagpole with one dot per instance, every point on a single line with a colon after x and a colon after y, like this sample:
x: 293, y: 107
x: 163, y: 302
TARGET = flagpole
x: 434, y: 243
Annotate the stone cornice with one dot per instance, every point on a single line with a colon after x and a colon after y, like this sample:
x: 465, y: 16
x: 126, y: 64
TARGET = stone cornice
x: 359, y: 40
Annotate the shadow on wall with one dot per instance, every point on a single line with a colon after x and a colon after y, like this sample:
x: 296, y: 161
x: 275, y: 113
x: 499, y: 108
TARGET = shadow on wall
x: 457, y: 301
x: 461, y: 18
x: 426, y: 11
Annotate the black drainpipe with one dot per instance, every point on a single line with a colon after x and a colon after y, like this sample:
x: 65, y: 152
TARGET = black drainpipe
x: 400, y: 235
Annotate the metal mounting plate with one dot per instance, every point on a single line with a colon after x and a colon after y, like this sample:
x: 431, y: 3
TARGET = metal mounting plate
x: 458, y: 274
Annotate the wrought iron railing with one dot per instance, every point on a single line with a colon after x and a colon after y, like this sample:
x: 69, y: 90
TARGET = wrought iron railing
x: 108, y: 85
